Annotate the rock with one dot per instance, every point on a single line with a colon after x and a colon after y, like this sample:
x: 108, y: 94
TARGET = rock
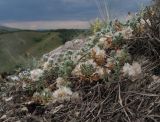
x: 8, y: 99
x: 13, y: 78
x: 24, y: 109
x: 3, y: 117
x: 70, y: 45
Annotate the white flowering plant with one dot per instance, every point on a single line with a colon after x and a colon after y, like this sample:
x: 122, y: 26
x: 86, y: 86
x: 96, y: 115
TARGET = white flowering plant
x: 104, y: 56
x: 66, y: 68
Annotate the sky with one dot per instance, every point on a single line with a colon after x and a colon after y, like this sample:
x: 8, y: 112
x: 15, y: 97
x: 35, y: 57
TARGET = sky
x: 54, y: 14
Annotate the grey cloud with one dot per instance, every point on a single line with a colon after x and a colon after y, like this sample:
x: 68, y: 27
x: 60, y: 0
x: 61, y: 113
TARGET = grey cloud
x: 61, y: 10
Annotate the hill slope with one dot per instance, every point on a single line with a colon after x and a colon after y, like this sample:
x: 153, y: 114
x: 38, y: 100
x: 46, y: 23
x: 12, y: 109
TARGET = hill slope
x: 4, y: 29
x: 17, y: 48
x: 108, y: 77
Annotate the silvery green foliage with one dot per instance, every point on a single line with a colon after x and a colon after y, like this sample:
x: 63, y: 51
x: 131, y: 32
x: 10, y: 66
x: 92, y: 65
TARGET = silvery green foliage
x: 66, y: 68
x: 24, y: 75
x: 118, y: 40
x: 87, y: 69
x: 37, y: 86
x: 122, y: 55
x: 51, y: 74
x: 44, y: 95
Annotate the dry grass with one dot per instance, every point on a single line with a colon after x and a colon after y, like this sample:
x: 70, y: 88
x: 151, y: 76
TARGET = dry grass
x: 103, y: 9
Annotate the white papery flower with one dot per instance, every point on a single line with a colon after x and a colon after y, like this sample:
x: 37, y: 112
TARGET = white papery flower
x: 110, y: 63
x: 102, y: 40
x: 46, y: 92
x: 60, y: 82
x: 36, y: 74
x: 98, y: 55
x: 137, y: 68
x: 106, y: 41
x: 143, y: 22
x: 61, y: 94
x: 36, y: 94
x: 75, y: 96
x: 111, y: 60
x: 127, y: 33
x: 91, y: 61
x: 126, y: 68
x: 98, y: 52
x: 133, y: 70
x: 46, y: 65
x: 149, y: 22
x: 100, y: 71
x: 77, y: 70
x: 119, y: 53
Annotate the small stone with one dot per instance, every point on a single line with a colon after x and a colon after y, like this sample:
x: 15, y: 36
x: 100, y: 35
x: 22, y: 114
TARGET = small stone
x: 8, y: 99
x: 24, y: 109
x: 3, y: 117
x: 77, y: 114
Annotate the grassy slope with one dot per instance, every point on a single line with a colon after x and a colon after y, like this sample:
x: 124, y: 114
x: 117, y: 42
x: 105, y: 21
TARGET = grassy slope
x: 17, y: 48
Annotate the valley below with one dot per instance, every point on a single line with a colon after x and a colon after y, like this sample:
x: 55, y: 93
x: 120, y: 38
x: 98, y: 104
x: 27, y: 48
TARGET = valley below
x: 21, y: 48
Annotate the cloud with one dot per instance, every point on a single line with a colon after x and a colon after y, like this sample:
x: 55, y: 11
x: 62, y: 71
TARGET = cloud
x: 29, y: 10
x: 34, y: 10
x: 74, y: 1
x: 34, y: 25
x: 84, y: 2
x: 61, y: 10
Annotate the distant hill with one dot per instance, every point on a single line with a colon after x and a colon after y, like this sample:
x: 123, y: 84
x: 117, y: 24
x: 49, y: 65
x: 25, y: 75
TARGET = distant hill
x: 4, y: 29
x: 18, y: 47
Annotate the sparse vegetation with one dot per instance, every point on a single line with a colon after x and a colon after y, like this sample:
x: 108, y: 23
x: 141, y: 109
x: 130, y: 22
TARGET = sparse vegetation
x: 111, y: 77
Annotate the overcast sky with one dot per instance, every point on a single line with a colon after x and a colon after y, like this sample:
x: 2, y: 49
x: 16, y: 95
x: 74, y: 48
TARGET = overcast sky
x: 47, y: 14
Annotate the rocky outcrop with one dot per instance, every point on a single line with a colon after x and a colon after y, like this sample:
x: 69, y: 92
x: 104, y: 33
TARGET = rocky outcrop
x: 70, y: 45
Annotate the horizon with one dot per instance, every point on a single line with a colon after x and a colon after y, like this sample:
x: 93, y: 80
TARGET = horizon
x: 60, y: 14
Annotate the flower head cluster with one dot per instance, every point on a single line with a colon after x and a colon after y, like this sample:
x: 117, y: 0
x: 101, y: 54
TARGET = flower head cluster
x: 133, y: 70
x: 60, y: 82
x: 36, y: 74
x: 110, y: 63
x: 144, y: 22
x: 98, y: 55
x: 126, y: 33
x: 46, y: 65
x: 61, y: 94
x: 106, y: 42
